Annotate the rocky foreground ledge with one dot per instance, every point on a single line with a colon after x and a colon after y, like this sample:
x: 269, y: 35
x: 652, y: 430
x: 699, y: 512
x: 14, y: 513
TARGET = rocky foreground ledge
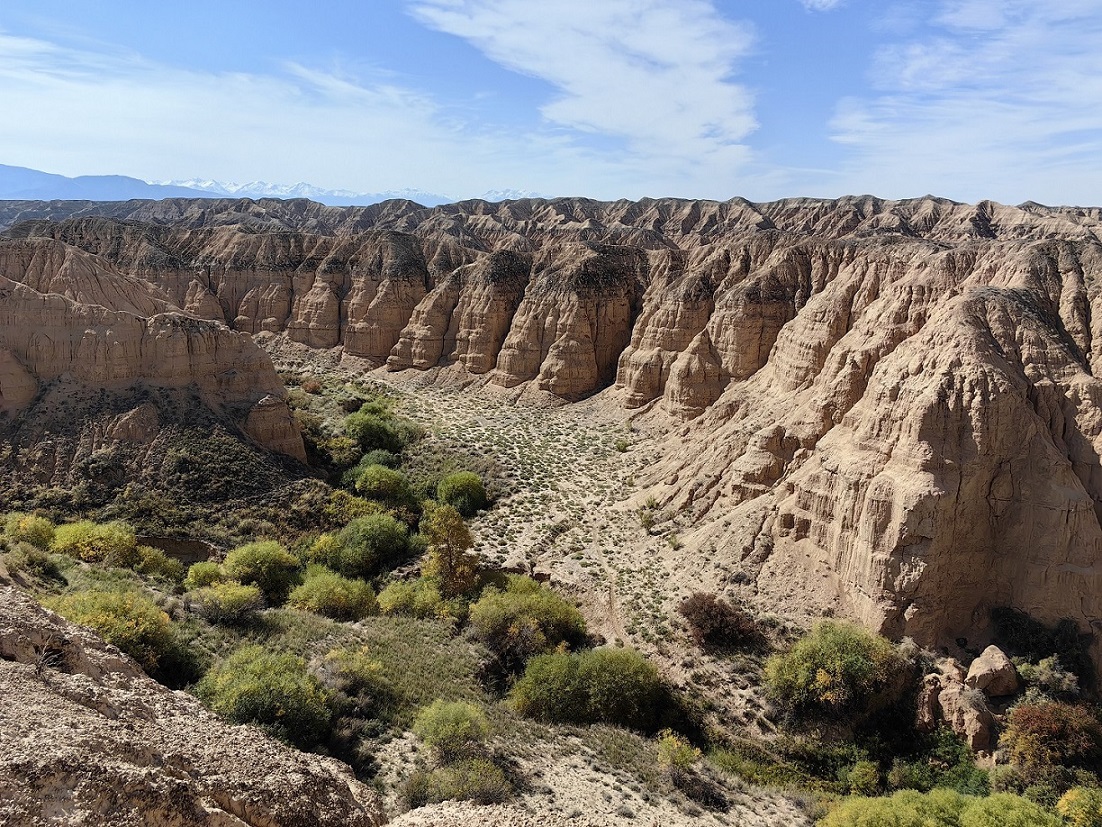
x: 87, y: 738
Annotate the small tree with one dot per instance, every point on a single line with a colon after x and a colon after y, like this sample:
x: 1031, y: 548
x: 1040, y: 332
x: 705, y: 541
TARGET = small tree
x: 449, y: 563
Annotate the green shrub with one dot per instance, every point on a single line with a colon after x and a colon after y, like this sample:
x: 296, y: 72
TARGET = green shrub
x: 387, y: 459
x: 449, y: 564
x: 416, y: 598
x: 715, y: 622
x: 359, y: 696
x: 836, y: 669
x: 29, y: 528
x: 613, y: 686
x: 1006, y: 810
x: 327, y: 593
x: 1081, y: 807
x: 1048, y: 739
x: 153, y: 562
x: 342, y: 508
x: 273, y: 690
x: 23, y: 556
x: 265, y: 564
x: 127, y: 619
x: 464, y: 491
x: 364, y: 547
x: 524, y: 620
x: 385, y: 485
x: 373, y: 431
x: 453, y: 729
x: 864, y: 778
x: 676, y: 756
x: 1048, y: 677
x: 471, y: 779
x: 203, y: 574
x: 96, y: 542
x: 938, y: 759
x: 226, y: 602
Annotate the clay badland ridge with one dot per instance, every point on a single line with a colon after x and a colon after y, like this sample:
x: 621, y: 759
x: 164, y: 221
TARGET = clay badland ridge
x: 884, y: 407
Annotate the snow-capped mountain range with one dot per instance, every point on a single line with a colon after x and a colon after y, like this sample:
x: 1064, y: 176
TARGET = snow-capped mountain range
x: 23, y: 184
x: 335, y: 198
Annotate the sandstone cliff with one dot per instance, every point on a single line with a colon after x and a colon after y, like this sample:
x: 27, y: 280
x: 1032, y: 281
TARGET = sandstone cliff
x: 888, y: 406
x: 71, y: 318
x: 89, y: 739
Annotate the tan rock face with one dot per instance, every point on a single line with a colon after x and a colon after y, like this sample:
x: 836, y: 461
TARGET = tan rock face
x: 88, y: 738
x: 86, y: 323
x: 893, y: 405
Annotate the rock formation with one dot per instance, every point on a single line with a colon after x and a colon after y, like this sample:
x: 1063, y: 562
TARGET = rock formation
x: 70, y: 317
x: 89, y: 739
x: 883, y: 407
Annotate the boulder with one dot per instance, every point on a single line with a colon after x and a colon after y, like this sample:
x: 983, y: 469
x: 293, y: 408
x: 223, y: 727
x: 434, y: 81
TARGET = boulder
x: 993, y: 673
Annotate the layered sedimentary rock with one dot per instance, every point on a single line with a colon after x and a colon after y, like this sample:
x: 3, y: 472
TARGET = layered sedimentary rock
x: 889, y: 407
x: 67, y: 316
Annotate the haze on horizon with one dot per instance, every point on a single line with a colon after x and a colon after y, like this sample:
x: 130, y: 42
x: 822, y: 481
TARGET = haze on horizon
x: 968, y: 99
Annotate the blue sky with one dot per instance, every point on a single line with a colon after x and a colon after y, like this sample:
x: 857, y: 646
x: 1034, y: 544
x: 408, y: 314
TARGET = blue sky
x: 967, y: 99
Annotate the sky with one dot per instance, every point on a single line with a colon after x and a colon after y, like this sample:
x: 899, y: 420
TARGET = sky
x: 762, y: 99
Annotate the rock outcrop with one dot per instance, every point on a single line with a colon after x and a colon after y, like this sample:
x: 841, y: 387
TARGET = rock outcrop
x: 67, y: 316
x: 89, y: 739
x: 887, y: 408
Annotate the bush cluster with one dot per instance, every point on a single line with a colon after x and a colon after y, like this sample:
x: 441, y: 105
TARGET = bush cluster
x: 327, y: 593
x: 453, y: 729
x: 363, y: 548
x: 836, y: 669
x: 265, y: 564
x: 612, y: 686
x: 939, y: 808
x: 127, y: 619
x: 273, y: 690
x: 226, y: 602
x: 463, y: 491
x: 413, y: 598
x: 29, y: 528
x: 1051, y: 744
x: 524, y: 619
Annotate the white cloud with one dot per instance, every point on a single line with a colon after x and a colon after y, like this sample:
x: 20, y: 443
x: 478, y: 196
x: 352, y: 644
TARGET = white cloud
x: 643, y: 104
x: 821, y: 5
x: 654, y: 73
x: 1002, y: 99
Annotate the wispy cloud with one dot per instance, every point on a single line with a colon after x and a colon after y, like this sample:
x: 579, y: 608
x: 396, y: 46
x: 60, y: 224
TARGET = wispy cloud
x: 656, y: 74
x: 640, y: 101
x: 821, y: 5
x: 1000, y: 99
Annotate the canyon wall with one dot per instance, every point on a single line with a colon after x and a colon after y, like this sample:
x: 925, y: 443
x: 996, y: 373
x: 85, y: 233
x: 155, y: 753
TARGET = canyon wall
x: 888, y: 407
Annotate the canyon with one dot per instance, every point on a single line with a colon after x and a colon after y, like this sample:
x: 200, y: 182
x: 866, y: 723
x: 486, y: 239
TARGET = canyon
x: 882, y: 409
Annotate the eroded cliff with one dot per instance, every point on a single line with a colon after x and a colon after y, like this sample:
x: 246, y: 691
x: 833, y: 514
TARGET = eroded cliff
x: 888, y: 407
